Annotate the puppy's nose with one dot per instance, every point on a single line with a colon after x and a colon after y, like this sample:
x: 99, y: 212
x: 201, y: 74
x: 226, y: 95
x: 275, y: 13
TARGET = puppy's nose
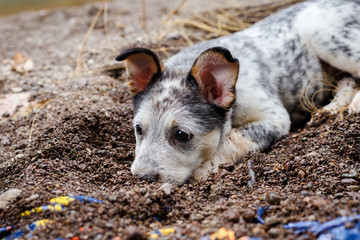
x: 150, y: 177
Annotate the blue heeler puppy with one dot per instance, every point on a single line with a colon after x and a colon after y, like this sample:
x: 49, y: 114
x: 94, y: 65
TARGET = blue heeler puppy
x: 214, y: 102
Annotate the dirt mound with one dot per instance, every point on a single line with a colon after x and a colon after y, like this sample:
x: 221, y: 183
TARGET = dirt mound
x: 75, y: 137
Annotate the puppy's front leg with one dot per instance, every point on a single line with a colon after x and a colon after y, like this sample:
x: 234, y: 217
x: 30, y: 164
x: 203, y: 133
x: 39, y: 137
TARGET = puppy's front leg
x: 255, y: 136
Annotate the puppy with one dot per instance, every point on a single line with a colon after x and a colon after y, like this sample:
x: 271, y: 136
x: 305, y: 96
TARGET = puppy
x: 214, y: 102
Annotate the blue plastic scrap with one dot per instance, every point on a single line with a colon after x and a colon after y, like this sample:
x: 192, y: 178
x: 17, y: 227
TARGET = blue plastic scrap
x: 5, y: 229
x: 30, y: 227
x: 334, y: 229
x: 301, y: 226
x: 57, y: 205
x: 87, y: 199
x: 260, y: 214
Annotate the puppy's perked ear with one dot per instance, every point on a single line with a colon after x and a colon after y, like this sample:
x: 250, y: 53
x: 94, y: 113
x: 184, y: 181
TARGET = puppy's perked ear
x: 142, y: 65
x: 216, y: 73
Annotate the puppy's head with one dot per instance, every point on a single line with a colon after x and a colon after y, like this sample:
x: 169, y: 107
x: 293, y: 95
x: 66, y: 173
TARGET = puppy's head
x: 180, y: 117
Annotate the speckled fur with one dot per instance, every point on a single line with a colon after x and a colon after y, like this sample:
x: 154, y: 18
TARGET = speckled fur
x: 278, y: 56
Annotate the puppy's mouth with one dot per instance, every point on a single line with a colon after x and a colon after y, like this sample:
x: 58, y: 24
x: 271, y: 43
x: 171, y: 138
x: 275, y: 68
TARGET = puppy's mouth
x: 158, y: 177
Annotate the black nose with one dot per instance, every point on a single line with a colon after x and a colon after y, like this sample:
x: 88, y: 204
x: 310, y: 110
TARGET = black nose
x: 150, y: 177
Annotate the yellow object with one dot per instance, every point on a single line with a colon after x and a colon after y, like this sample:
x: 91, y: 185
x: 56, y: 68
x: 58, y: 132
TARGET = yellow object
x: 53, y: 208
x: 64, y: 200
x: 41, y: 222
x: 223, y: 234
x: 161, y: 232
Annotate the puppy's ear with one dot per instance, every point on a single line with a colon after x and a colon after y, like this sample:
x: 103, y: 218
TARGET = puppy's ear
x: 142, y: 65
x: 216, y: 73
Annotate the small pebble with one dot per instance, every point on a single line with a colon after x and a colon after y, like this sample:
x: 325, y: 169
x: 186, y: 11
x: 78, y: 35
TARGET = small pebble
x: 248, y: 215
x: 301, y: 173
x: 272, y: 221
x: 197, y: 217
x: 311, y: 154
x: 353, y: 188
x: 348, y: 181
x: 17, y: 89
x: 304, y: 193
x: 166, y: 187
x: 173, y: 36
x: 113, y: 198
x: 274, y: 232
x: 33, y: 197
x: 98, y: 237
x: 9, y: 196
x: 352, y: 173
x: 103, y: 88
x: 349, y: 225
x: 338, y: 195
x: 5, y: 141
x: 232, y: 216
x: 273, y: 199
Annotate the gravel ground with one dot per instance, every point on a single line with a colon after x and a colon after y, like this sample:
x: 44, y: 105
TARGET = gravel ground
x: 74, y: 137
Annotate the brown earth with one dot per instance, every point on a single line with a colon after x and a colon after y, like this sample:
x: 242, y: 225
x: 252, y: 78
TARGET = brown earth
x: 75, y: 138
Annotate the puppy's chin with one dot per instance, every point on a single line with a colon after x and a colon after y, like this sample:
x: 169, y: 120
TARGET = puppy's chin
x: 176, y: 177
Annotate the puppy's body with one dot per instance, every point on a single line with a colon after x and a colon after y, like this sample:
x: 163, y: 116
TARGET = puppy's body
x: 195, y: 94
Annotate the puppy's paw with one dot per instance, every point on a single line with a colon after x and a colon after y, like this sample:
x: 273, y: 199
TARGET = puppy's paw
x: 354, y: 106
x: 343, y: 96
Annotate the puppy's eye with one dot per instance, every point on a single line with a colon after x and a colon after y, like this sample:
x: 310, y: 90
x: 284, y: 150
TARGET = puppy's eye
x: 182, y: 136
x: 138, y: 129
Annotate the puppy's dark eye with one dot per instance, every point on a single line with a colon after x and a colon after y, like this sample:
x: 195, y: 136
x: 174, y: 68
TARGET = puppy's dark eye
x: 138, y: 129
x: 182, y: 136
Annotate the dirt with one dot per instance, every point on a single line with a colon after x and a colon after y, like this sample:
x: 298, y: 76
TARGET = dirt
x: 75, y: 138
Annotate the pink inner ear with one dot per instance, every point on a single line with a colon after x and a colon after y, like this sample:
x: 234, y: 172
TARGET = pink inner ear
x: 212, y: 89
x: 141, y: 69
x: 216, y: 76
x: 141, y: 76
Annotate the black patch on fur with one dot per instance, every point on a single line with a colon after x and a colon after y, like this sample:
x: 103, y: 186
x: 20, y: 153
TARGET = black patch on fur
x: 264, y: 136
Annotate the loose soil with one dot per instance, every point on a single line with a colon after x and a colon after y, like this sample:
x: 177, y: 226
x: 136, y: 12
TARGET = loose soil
x: 75, y: 138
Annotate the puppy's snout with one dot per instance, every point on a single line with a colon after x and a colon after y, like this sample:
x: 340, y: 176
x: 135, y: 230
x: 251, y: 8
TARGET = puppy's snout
x: 150, y: 177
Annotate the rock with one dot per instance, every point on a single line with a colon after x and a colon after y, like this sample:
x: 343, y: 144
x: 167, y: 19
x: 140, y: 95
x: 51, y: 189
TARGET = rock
x: 232, y: 216
x: 311, y: 218
x: 348, y: 181
x: 22, y: 63
x: 353, y: 188
x: 113, y: 198
x: 352, y: 173
x: 9, y: 196
x: 248, y: 215
x: 5, y: 141
x: 98, y: 237
x: 197, y: 217
x: 32, y: 197
x: 173, y: 36
x: 301, y: 173
x: 311, y: 154
x: 274, y: 232
x: 273, y: 198
x: 272, y: 221
x: 103, y: 88
x: 338, y: 195
x: 166, y: 187
x: 17, y: 89
x: 304, y: 193
x: 349, y: 225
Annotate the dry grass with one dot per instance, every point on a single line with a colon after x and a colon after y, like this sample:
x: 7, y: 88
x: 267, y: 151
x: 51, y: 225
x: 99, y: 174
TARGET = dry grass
x: 321, y: 80
x: 224, y: 21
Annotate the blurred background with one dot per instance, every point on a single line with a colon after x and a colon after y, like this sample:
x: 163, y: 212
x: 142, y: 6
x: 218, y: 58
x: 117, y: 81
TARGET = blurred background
x: 8, y: 7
